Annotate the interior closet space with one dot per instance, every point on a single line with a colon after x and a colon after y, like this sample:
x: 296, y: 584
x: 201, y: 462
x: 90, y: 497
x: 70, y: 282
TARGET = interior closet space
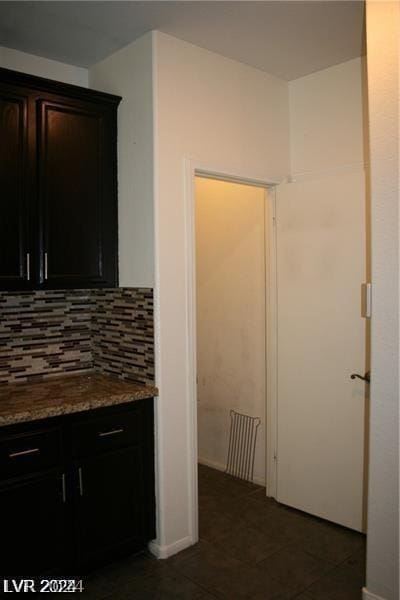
x: 231, y: 321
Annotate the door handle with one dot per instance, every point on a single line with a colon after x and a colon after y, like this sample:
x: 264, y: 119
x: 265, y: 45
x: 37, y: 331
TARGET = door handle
x: 366, y: 377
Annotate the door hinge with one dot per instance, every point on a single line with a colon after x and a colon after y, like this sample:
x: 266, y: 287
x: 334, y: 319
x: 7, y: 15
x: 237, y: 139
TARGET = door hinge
x: 275, y: 456
x: 366, y: 302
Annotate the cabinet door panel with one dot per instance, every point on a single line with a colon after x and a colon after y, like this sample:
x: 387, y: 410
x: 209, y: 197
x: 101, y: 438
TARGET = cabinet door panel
x: 78, y: 227
x: 14, y: 220
x: 110, y: 506
x: 32, y: 532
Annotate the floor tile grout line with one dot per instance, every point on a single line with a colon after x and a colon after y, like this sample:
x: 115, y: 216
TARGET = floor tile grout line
x: 246, y: 564
x: 334, y: 568
x: 202, y: 587
x: 331, y: 563
x: 303, y: 591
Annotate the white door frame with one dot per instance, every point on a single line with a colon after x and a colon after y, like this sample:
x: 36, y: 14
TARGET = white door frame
x: 191, y: 169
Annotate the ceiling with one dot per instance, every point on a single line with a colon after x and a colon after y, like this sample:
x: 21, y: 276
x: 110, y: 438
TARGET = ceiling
x: 287, y: 39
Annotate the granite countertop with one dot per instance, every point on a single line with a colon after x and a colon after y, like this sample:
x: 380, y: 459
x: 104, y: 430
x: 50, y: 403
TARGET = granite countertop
x: 23, y: 402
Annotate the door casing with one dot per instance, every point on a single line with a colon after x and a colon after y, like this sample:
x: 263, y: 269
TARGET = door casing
x: 193, y: 169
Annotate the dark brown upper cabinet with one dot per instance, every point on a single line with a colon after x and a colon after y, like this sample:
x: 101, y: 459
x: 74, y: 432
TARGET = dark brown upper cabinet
x: 14, y: 217
x: 58, y: 174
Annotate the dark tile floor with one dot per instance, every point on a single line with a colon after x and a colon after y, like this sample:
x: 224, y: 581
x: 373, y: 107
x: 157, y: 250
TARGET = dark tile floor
x: 250, y: 547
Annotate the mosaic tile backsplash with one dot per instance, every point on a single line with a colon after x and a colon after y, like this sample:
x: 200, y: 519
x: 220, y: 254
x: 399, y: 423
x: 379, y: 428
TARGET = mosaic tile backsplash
x: 123, y: 335
x: 49, y: 333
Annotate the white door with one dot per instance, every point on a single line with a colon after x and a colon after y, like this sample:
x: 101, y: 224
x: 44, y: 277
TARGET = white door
x: 321, y: 264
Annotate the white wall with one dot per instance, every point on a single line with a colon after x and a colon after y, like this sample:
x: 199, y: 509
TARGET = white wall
x: 42, y: 67
x: 128, y: 73
x: 383, y: 25
x: 326, y: 119
x: 231, y: 310
x: 220, y: 112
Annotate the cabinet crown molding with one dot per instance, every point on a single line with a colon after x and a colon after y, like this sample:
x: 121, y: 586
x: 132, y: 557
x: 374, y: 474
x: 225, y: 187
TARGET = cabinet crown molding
x: 50, y: 85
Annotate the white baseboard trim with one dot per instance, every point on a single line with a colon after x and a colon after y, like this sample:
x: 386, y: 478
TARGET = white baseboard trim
x: 170, y: 549
x: 369, y: 595
x: 220, y: 467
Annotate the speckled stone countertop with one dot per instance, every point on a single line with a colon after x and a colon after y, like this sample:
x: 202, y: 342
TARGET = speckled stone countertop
x: 25, y: 402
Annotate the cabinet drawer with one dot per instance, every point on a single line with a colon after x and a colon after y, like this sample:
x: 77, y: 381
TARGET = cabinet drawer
x: 108, y: 432
x: 29, y: 452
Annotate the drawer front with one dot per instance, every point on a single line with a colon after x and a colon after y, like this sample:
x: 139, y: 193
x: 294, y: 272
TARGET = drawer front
x: 26, y: 453
x: 108, y: 432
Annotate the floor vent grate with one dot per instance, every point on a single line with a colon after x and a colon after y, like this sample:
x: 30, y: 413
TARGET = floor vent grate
x: 242, y: 445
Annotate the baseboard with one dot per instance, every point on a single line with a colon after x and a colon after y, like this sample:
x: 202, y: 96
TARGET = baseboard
x: 170, y: 549
x: 220, y: 467
x: 370, y: 596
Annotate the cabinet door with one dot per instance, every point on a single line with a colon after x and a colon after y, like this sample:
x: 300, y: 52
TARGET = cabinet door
x: 77, y: 194
x: 110, y: 505
x: 32, y: 529
x: 14, y: 222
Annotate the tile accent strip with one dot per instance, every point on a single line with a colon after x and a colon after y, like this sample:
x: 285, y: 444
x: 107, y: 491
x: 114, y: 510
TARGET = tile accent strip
x: 44, y: 334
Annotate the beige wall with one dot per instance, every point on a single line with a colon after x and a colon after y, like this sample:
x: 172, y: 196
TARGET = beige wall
x: 326, y: 119
x: 42, y: 67
x: 230, y: 273
x: 383, y: 26
x: 128, y: 73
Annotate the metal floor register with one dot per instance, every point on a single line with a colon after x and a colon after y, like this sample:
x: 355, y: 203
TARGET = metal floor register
x: 242, y: 445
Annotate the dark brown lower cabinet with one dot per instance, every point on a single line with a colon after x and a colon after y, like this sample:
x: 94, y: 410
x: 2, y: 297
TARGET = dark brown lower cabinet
x: 76, y: 491
x: 33, y: 530
x: 110, y: 504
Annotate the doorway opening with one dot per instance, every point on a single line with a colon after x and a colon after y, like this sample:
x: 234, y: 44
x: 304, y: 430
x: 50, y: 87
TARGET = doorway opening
x: 234, y: 293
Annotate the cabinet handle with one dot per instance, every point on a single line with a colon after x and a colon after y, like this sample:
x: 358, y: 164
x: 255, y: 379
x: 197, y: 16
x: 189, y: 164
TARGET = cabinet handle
x: 45, y: 266
x: 111, y: 432
x: 23, y: 452
x: 28, y: 266
x: 80, y: 481
x: 63, y: 488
